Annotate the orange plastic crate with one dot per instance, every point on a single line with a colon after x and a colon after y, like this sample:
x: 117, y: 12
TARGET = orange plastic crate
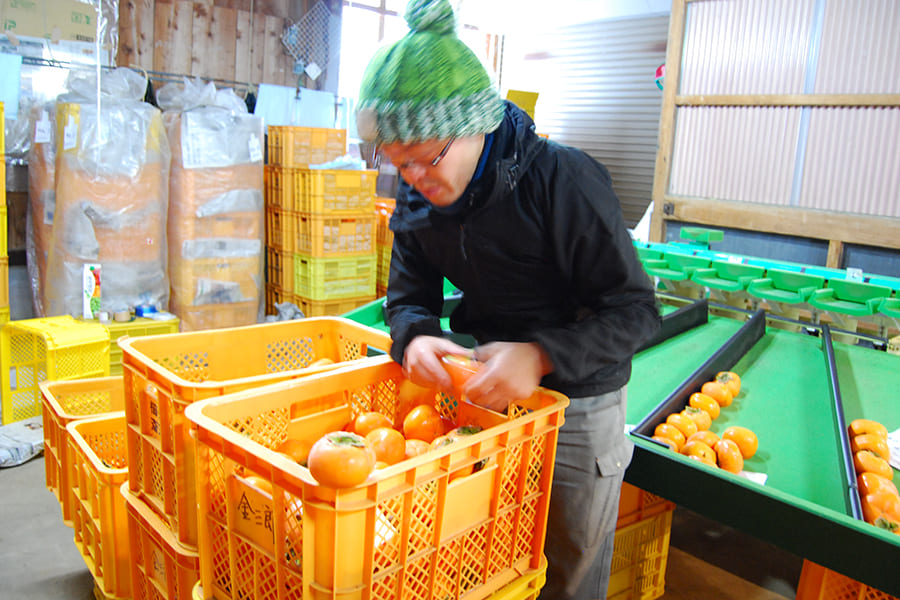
x: 280, y: 269
x: 291, y: 146
x: 325, y: 308
x: 640, y: 555
x: 820, y: 583
x: 407, y: 532
x: 64, y: 402
x: 99, y: 468
x: 636, y: 505
x: 165, y: 373
x: 161, y: 568
x: 334, y: 235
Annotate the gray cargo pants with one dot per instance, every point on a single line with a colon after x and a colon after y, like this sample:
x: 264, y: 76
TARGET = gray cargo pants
x: 591, y: 456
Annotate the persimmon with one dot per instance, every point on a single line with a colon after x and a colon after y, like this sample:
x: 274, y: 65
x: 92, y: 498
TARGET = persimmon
x: 322, y: 362
x: 707, y: 437
x: 668, y: 442
x: 866, y: 461
x: 410, y: 395
x: 684, y: 424
x: 869, y: 482
x: 413, y: 448
x: 423, y: 422
x: 296, y: 450
x: 731, y: 380
x: 872, y: 442
x: 388, y: 443
x: 861, y: 426
x: 700, y: 451
x: 369, y: 421
x: 729, y: 456
x: 700, y: 417
x: 881, y: 505
x: 259, y: 483
x: 704, y: 402
x: 341, y: 459
x: 744, y: 438
x: 718, y: 392
x: 460, y: 368
x: 667, y: 430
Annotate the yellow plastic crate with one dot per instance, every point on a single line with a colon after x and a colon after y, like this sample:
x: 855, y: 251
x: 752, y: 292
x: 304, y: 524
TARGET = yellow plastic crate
x: 424, y: 527
x: 327, y: 308
x: 160, y: 567
x: 165, y: 373
x: 4, y: 279
x: 318, y: 278
x: 636, y: 505
x: 279, y: 229
x: 4, y: 224
x: 4, y: 315
x: 99, y: 468
x: 383, y: 268
x: 291, y: 146
x: 640, y: 553
x: 334, y: 235
x: 63, y: 403
x: 47, y: 349
x: 140, y: 326
x: 321, y: 191
x: 820, y: 583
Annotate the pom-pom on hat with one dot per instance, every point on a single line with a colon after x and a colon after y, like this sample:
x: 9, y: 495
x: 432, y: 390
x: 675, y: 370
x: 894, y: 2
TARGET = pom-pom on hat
x: 429, y: 85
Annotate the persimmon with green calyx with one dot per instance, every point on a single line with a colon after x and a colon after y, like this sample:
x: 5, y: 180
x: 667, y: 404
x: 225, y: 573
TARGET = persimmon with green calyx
x: 341, y: 459
x: 700, y: 417
x: 731, y: 380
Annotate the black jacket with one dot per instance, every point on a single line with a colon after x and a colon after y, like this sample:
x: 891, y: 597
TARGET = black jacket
x: 540, y: 250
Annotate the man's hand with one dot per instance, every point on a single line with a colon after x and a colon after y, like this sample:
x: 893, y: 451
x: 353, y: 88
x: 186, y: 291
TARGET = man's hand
x: 511, y: 372
x: 422, y: 360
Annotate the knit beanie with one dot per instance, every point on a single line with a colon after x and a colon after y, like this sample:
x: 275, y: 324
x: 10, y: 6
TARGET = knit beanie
x: 429, y: 85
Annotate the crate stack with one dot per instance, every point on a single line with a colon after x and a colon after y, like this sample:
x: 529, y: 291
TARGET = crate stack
x: 215, y: 218
x: 384, y: 241
x: 4, y: 258
x: 320, y: 224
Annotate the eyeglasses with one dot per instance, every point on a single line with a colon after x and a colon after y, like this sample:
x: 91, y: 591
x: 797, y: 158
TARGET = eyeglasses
x: 411, y: 163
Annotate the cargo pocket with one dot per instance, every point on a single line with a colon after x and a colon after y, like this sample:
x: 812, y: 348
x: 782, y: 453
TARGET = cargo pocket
x: 605, y: 502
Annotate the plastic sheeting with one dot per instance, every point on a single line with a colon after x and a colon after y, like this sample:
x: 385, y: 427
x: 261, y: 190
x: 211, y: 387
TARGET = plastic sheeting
x: 216, y: 229
x: 111, y: 195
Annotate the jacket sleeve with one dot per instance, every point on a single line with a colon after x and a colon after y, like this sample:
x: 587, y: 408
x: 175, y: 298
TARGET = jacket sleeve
x: 616, y: 303
x: 415, y: 295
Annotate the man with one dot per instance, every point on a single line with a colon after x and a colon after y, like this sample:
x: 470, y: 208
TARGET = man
x: 532, y: 233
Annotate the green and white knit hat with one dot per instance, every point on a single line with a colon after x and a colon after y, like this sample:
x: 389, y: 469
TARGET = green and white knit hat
x: 429, y: 85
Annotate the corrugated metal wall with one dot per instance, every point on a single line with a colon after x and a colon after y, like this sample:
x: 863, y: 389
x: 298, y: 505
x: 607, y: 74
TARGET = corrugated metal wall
x: 597, y: 93
x: 832, y: 156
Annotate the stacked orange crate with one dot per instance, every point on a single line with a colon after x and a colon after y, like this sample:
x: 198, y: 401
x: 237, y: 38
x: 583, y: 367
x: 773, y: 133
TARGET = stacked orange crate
x: 320, y: 224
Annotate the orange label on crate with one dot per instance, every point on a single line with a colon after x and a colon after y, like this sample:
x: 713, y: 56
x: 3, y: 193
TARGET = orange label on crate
x: 152, y: 396
x: 253, y: 509
x: 158, y: 567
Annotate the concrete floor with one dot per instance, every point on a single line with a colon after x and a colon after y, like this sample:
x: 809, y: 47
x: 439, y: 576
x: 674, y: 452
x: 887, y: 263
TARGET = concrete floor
x: 39, y: 560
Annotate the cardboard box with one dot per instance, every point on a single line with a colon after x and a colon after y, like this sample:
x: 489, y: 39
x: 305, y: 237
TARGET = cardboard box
x: 51, y: 19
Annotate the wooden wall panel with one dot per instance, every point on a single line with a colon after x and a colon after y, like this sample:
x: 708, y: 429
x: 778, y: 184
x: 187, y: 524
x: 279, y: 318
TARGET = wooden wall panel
x: 210, y: 39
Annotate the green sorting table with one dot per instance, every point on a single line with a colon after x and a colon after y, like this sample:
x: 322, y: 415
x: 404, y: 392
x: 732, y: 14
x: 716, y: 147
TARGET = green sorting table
x: 798, y: 393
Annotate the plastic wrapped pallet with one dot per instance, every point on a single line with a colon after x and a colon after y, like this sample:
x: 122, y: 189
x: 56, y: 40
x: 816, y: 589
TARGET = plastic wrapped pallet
x: 112, y: 174
x: 216, y: 209
x: 41, y: 201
